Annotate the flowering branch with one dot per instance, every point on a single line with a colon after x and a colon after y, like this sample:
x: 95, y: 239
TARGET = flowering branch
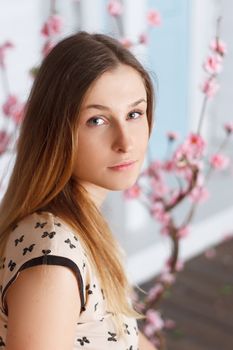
x: 187, y: 166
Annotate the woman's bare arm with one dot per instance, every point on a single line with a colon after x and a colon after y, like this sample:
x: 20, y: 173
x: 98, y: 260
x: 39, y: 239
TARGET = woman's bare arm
x: 43, y: 308
x: 144, y: 343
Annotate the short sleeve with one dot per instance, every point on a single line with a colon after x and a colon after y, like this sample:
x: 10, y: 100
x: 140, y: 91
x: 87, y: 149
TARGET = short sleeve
x: 42, y: 239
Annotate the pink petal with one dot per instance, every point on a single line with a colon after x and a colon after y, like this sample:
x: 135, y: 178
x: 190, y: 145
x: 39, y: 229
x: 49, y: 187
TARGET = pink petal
x: 133, y: 192
x: 52, y: 26
x: 5, y: 139
x: 48, y: 46
x: 153, y: 18
x: 219, y: 161
x: 127, y: 43
x: 210, y: 87
x: 115, y: 8
x: 143, y: 38
x: 210, y: 253
x: 213, y: 64
x: 183, y: 232
x: 218, y: 46
x: 9, y: 105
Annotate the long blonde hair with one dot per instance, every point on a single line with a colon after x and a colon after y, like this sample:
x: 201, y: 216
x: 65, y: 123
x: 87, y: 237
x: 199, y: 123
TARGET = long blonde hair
x: 42, y: 175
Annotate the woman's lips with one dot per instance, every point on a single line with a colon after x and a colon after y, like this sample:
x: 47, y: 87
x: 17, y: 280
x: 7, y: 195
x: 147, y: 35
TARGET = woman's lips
x: 125, y: 166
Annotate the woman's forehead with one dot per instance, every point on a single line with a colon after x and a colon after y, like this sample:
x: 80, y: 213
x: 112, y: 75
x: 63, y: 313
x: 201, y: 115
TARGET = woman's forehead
x: 123, y: 83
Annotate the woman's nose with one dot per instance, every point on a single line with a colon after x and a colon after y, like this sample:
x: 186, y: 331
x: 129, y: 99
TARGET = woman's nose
x: 122, y: 139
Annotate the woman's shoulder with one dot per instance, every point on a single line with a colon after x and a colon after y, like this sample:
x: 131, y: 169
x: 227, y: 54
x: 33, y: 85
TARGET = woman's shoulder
x: 42, y: 238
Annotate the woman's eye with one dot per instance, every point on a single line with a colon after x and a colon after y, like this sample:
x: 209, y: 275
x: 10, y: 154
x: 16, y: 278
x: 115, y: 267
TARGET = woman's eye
x: 95, y: 121
x: 135, y: 114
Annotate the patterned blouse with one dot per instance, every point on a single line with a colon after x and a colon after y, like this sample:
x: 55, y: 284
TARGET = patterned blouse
x: 43, y: 238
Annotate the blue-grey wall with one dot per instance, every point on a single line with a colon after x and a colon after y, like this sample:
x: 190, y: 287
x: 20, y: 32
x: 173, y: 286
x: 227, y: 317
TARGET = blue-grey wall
x: 168, y: 59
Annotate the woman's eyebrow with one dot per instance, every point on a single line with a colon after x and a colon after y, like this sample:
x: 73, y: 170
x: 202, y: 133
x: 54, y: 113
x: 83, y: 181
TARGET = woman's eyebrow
x: 101, y: 107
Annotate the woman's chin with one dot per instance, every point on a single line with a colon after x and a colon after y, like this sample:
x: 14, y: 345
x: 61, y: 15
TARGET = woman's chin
x: 122, y: 186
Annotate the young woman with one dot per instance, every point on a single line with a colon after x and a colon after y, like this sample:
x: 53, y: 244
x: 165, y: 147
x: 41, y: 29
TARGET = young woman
x: 85, y: 132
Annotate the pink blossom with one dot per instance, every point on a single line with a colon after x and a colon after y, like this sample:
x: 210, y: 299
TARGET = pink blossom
x: 167, y: 277
x: 219, y: 161
x: 158, y: 212
x: 228, y: 127
x: 169, y: 165
x: 143, y: 38
x: 179, y: 266
x: 154, y: 319
x: 10, y: 105
x: 159, y: 187
x: 199, y: 194
x: 155, y: 166
x: 139, y: 306
x: 227, y: 236
x: 169, y: 324
x: 3, y: 48
x: 210, y: 87
x: 48, y: 46
x: 213, y: 64
x: 172, y: 136
x: 155, y: 291
x: 210, y: 253
x: 13, y: 108
x: 18, y: 113
x: 4, y: 141
x: 193, y: 147
x: 149, y: 329
x: 218, y: 46
x: 52, y: 26
x: 133, y: 192
x: 183, y: 232
x: 115, y: 8
x: 127, y: 43
x: 153, y: 18
x: 196, y: 143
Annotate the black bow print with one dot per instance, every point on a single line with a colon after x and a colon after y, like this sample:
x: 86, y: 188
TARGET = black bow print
x: 41, y: 225
x: 89, y: 291
x: 95, y: 307
x: 69, y: 242
x: 2, y: 263
x: 2, y: 342
x: 46, y: 252
x: 29, y: 249
x: 11, y: 265
x: 83, y: 340
x: 49, y: 234
x: 113, y: 336
x: 18, y: 240
x: 126, y: 328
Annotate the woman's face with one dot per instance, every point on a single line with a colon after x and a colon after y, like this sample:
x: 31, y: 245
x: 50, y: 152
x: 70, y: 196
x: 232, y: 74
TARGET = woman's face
x: 113, y: 129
